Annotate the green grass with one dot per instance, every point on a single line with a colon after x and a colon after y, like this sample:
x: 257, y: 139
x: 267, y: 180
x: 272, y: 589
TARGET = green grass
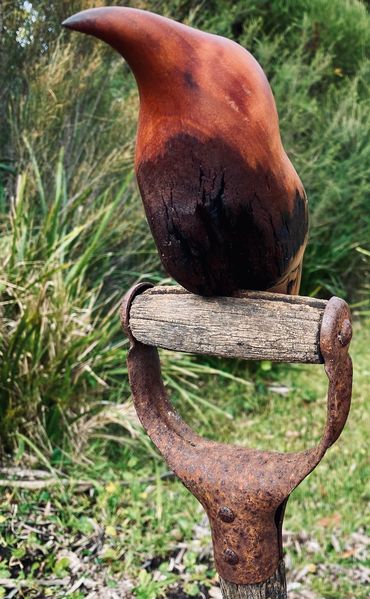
x: 130, y: 521
x: 74, y: 235
x: 59, y: 335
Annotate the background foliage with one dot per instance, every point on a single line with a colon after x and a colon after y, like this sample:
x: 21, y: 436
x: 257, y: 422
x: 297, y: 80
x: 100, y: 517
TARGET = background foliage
x: 64, y: 161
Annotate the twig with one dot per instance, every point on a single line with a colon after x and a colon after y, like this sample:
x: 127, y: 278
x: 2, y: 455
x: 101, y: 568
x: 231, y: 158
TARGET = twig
x: 34, y: 485
x: 29, y: 473
x: 16, y: 584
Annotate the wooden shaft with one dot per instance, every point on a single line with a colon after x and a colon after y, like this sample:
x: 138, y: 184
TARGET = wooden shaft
x: 252, y: 326
x: 273, y: 588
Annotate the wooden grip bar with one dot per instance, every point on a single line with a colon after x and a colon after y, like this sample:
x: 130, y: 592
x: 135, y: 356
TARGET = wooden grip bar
x: 252, y: 326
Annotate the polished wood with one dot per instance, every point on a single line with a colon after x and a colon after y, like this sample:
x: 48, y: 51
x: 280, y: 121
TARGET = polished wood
x: 226, y: 208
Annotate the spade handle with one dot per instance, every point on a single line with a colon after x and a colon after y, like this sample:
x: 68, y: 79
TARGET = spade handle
x: 244, y: 491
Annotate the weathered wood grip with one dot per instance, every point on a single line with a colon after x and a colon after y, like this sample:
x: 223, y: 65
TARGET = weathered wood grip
x: 252, y: 325
x: 273, y: 588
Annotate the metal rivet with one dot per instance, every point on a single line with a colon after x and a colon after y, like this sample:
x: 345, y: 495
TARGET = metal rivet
x: 226, y: 514
x: 230, y: 557
x: 345, y: 334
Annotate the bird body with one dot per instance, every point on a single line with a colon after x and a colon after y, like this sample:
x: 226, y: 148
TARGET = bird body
x: 226, y: 208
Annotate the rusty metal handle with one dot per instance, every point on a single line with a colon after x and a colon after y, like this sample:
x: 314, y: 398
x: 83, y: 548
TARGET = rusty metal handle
x: 244, y: 491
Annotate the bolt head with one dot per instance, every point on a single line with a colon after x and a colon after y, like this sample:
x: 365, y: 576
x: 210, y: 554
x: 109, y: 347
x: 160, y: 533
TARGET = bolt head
x: 345, y: 334
x: 230, y: 557
x: 226, y: 514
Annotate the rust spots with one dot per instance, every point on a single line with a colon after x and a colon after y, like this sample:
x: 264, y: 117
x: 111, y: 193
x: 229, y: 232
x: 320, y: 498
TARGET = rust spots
x: 237, y: 482
x: 345, y: 334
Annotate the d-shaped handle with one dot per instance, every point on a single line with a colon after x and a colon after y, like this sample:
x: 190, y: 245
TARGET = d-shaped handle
x: 243, y: 491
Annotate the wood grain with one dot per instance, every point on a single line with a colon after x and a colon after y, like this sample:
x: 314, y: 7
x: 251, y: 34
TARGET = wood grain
x: 273, y: 588
x: 253, y: 326
x: 226, y: 207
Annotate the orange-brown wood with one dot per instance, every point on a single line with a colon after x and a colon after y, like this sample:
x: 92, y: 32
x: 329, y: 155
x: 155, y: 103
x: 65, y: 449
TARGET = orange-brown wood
x: 226, y: 208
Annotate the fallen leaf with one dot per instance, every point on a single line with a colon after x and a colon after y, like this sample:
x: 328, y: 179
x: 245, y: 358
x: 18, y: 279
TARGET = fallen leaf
x: 311, y: 568
x: 330, y: 520
x: 111, y: 488
x: 215, y: 593
x: 348, y: 553
x: 110, y: 531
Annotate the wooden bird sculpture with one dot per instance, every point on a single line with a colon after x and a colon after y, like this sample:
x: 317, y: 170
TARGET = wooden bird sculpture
x: 224, y: 203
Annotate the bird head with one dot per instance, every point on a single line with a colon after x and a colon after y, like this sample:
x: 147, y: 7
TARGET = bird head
x: 196, y: 80
x: 139, y: 36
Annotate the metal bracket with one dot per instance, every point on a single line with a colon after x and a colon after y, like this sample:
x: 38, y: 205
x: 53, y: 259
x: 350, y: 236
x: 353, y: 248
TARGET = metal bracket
x: 244, y: 491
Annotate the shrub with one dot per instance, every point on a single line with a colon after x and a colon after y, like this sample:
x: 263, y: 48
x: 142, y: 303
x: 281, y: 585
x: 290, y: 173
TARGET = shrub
x: 74, y: 236
x: 59, y: 340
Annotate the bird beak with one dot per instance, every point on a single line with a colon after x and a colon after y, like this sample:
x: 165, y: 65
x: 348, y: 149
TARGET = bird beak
x: 82, y: 21
x: 109, y: 24
x: 134, y: 33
